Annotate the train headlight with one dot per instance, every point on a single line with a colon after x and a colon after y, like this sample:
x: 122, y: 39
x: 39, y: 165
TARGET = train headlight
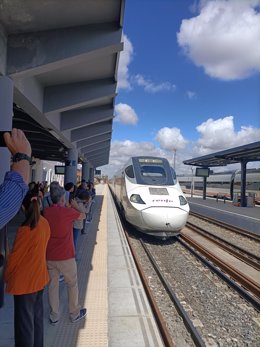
x: 136, y: 198
x: 183, y: 201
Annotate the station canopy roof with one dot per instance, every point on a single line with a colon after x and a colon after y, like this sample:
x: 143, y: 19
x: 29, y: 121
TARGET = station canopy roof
x: 247, y: 153
x: 62, y: 57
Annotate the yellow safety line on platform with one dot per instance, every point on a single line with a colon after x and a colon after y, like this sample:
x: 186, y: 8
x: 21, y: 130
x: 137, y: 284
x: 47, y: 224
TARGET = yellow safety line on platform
x: 95, y: 332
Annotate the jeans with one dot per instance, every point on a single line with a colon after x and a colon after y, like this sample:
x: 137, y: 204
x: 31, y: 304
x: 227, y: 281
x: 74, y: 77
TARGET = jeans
x: 76, y: 233
x: 28, y: 320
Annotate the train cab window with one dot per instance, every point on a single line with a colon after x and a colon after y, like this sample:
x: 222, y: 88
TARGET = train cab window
x: 152, y: 171
x: 130, y: 171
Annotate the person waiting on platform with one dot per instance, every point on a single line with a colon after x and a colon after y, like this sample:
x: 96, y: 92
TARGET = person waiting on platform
x: 82, y: 187
x: 46, y: 201
x: 61, y: 255
x: 26, y: 273
x: 15, y: 185
x: 82, y: 200
x: 92, y: 192
x: 70, y: 192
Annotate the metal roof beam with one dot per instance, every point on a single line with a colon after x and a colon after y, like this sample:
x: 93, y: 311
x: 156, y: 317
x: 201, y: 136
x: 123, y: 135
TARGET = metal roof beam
x: 249, y: 152
x: 102, y: 156
x: 99, y: 161
x: 74, y: 95
x: 87, y: 116
x: 99, y: 146
x: 93, y: 140
x: 29, y: 54
x: 91, y: 131
x: 96, y: 152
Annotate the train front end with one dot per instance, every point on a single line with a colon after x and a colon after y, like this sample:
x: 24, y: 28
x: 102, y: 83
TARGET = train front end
x: 156, y: 204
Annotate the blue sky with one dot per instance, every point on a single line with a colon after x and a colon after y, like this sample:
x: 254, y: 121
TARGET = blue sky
x: 188, y: 79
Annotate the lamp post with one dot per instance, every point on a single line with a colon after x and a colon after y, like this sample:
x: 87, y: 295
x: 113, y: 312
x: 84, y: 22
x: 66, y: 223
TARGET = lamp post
x: 192, y: 183
x: 174, y: 157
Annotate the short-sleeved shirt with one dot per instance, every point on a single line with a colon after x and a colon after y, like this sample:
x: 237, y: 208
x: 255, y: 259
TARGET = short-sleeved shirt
x: 26, y: 269
x: 60, y: 218
x: 78, y: 224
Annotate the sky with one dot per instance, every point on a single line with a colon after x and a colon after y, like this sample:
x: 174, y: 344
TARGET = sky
x: 188, y: 80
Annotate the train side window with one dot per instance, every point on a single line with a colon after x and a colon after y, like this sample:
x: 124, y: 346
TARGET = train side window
x: 130, y: 171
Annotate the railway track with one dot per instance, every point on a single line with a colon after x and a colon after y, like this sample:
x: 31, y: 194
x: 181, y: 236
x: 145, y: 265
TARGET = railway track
x: 236, y: 230
x: 199, y: 336
x: 239, y: 264
x: 242, y: 277
x: 238, y: 252
x: 197, y: 312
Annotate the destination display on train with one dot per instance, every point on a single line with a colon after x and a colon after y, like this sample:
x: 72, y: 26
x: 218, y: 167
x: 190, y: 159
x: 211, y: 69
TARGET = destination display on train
x: 149, y: 160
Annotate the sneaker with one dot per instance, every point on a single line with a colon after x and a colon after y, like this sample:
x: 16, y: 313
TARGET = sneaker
x: 53, y: 322
x: 82, y: 314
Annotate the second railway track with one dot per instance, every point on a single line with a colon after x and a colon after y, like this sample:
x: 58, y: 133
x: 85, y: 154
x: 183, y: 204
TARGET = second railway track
x: 204, y: 297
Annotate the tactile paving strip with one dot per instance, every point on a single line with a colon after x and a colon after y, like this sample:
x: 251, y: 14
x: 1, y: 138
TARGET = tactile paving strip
x: 92, y: 278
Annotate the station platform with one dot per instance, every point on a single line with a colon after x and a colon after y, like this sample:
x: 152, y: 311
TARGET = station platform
x: 247, y: 218
x: 109, y: 286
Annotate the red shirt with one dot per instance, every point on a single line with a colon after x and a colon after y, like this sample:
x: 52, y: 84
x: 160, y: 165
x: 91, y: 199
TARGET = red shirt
x: 60, y: 245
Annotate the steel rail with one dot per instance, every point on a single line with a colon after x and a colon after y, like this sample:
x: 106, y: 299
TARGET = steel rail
x: 156, y: 311
x: 158, y: 316
x: 254, y: 262
x: 247, y: 283
x: 187, y: 321
x: 230, y: 227
x: 243, y: 292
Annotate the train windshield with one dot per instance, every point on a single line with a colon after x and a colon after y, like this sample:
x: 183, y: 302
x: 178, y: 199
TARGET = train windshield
x: 152, y: 171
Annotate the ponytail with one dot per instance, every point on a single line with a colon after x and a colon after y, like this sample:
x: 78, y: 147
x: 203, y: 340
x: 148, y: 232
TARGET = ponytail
x: 31, y: 209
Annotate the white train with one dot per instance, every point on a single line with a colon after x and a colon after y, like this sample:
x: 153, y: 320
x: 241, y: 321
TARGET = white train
x: 151, y: 199
x: 223, y: 184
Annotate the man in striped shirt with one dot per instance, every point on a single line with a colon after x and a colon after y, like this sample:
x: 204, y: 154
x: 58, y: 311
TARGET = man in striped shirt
x: 15, y: 185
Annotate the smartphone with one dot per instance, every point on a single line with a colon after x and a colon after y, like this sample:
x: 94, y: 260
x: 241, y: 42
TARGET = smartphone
x: 2, y: 141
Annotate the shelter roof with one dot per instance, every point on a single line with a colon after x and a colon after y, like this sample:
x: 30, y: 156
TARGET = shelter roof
x: 247, y: 153
x: 62, y: 57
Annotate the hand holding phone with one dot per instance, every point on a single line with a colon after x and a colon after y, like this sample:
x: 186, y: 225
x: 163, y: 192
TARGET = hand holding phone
x: 2, y: 140
x: 17, y: 142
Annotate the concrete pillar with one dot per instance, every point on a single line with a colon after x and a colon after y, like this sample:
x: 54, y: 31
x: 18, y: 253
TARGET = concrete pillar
x: 6, y: 115
x: 37, y: 170
x: 91, y: 174
x: 85, y: 171
x: 71, y: 166
x: 243, y: 202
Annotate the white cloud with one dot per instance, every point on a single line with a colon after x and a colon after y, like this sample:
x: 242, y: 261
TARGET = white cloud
x: 220, y: 134
x: 124, y: 60
x: 170, y: 139
x: 125, y: 114
x: 191, y: 95
x: 224, y: 38
x: 126, y: 81
x: 121, y: 151
x: 152, y: 87
x: 214, y: 136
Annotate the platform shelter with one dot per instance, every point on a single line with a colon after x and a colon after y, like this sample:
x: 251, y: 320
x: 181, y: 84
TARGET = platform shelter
x: 242, y: 154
